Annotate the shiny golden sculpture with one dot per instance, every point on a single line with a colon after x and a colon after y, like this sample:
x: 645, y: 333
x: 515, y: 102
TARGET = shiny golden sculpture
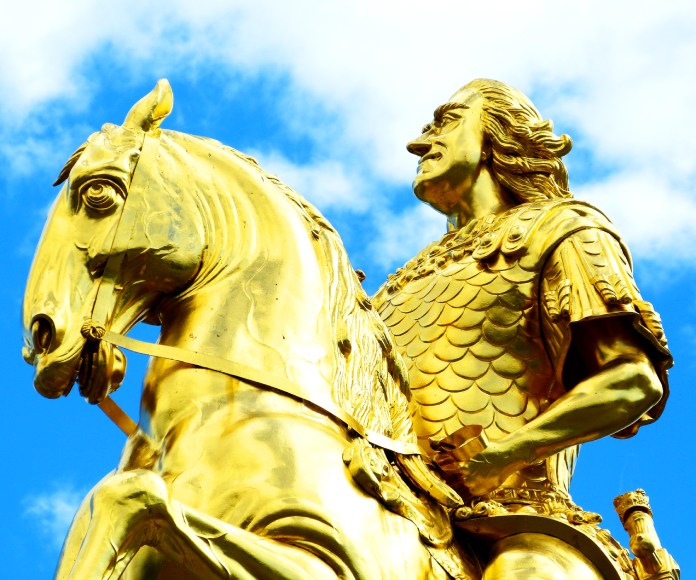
x: 524, y: 335
x: 275, y: 438
x: 273, y: 416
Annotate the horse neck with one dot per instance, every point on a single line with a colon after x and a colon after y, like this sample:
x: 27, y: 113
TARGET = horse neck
x: 263, y: 294
x: 276, y: 292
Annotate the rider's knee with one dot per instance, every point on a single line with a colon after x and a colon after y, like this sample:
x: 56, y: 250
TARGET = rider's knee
x: 538, y: 557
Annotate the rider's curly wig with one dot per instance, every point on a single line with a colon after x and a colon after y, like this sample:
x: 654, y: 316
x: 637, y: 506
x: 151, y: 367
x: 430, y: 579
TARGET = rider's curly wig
x: 525, y: 154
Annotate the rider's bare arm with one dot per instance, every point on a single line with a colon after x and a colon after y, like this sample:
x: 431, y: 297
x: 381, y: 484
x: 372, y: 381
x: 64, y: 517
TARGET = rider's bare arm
x: 619, y: 387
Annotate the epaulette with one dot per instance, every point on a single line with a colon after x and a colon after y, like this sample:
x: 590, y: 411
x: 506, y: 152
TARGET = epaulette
x: 532, y: 230
x: 529, y: 230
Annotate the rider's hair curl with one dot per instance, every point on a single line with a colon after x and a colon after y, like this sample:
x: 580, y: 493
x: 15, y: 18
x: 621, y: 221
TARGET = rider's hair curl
x: 525, y: 154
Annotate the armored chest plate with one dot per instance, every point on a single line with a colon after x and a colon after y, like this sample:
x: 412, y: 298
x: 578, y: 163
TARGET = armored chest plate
x: 468, y: 327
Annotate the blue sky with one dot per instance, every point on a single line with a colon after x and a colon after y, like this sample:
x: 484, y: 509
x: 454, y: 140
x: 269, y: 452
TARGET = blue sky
x: 325, y: 95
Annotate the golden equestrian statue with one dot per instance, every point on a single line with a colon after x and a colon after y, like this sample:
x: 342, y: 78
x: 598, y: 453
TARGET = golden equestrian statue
x: 524, y: 335
x: 276, y: 438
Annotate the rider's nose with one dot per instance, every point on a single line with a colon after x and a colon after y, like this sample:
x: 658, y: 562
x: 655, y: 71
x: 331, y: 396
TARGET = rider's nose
x: 418, y: 147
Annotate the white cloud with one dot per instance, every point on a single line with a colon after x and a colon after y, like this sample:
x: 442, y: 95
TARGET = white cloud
x: 399, y: 237
x: 27, y: 153
x: 326, y: 184
x: 386, y: 65
x: 53, y: 511
x: 655, y: 217
x: 622, y: 86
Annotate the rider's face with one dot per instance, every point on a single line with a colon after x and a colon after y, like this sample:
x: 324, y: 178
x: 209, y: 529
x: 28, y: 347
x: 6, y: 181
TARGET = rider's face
x: 450, y: 151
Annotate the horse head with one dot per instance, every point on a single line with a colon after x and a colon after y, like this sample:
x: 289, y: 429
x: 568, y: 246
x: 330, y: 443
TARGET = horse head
x: 272, y: 363
x: 110, y: 251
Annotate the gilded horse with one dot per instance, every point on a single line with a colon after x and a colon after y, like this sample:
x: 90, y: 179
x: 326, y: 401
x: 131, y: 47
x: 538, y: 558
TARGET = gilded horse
x: 274, y: 413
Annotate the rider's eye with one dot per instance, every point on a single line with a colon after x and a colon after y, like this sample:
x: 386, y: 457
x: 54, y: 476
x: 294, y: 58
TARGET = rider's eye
x: 100, y: 196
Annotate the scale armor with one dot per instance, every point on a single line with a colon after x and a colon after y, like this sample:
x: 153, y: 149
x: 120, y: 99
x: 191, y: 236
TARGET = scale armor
x: 483, y: 320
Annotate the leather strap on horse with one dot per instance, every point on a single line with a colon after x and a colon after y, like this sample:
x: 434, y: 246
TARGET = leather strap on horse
x: 118, y: 416
x: 123, y: 234
x: 260, y: 378
x: 95, y: 329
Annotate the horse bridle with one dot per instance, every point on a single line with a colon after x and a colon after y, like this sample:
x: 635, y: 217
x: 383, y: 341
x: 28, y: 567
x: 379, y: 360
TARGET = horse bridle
x: 94, y: 330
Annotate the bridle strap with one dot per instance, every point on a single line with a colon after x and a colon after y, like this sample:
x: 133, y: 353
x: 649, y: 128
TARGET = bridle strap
x: 260, y: 378
x: 118, y: 416
x: 96, y: 329
x: 127, y: 222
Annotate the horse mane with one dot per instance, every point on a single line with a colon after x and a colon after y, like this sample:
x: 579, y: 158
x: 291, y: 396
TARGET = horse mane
x: 371, y: 380
x: 360, y: 336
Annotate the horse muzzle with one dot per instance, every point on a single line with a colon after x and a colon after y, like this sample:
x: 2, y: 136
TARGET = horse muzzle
x: 37, y: 344
x: 54, y: 377
x: 98, y: 367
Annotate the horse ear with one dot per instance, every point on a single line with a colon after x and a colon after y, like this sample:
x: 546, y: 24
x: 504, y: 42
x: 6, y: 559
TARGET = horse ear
x: 152, y: 109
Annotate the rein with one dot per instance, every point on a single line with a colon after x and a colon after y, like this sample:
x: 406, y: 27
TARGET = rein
x: 95, y: 330
x: 258, y: 377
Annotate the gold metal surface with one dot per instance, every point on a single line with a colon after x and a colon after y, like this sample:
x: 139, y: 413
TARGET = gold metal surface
x: 523, y: 332
x: 652, y: 561
x: 230, y: 473
x: 275, y: 438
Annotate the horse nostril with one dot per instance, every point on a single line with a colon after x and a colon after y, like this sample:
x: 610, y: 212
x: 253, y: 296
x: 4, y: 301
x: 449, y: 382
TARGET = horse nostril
x: 41, y: 334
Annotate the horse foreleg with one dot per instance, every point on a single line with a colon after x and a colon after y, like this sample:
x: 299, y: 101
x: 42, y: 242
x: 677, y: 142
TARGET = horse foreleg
x: 242, y: 554
x: 132, y: 509
x: 125, y: 512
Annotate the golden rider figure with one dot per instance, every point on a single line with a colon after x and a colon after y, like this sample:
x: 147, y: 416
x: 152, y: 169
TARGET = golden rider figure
x: 523, y: 330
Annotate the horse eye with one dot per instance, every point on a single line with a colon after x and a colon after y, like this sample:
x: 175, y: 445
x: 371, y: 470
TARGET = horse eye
x: 100, y: 196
